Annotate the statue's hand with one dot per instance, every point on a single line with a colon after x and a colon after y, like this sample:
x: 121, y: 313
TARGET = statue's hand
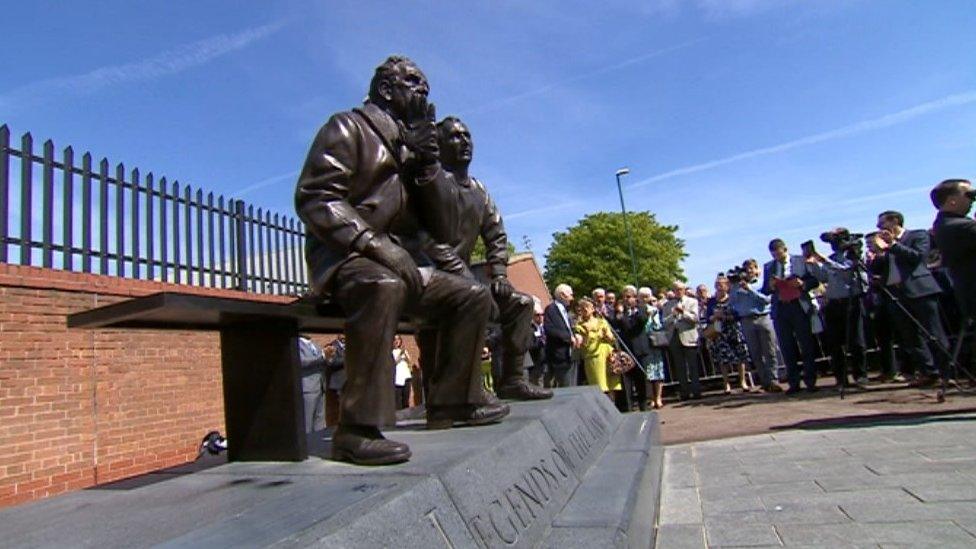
x: 382, y: 250
x: 501, y: 287
x: 420, y: 137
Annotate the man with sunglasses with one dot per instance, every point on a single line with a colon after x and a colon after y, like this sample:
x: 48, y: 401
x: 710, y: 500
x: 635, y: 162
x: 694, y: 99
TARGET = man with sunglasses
x: 955, y: 235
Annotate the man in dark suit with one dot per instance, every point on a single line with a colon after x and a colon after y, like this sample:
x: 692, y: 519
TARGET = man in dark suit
x: 363, y: 250
x: 788, y: 280
x: 629, y: 320
x: 955, y: 235
x: 902, y: 268
x: 560, y: 339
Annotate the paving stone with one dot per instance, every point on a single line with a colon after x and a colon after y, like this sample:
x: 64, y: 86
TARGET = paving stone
x: 900, y: 512
x: 731, y: 479
x: 677, y: 455
x: 680, y: 506
x: 679, y: 475
x: 916, y: 534
x: 967, y: 524
x: 798, y: 515
x: 824, y: 535
x: 681, y: 536
x: 865, y: 496
x: 903, y: 480
x: 720, y: 492
x: 731, y: 505
x: 742, y: 535
x: 954, y: 492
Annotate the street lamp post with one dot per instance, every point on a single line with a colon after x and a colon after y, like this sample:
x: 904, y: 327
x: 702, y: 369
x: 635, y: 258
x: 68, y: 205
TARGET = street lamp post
x: 630, y: 239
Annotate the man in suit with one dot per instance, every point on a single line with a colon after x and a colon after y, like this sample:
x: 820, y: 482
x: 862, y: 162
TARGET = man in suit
x: 630, y: 320
x: 463, y: 212
x: 788, y: 280
x: 901, y: 266
x: 537, y: 349
x: 680, y: 319
x: 560, y: 339
x: 363, y: 250
x: 955, y: 235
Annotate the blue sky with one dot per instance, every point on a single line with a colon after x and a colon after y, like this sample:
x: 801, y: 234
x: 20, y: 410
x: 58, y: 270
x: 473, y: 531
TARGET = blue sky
x: 740, y: 120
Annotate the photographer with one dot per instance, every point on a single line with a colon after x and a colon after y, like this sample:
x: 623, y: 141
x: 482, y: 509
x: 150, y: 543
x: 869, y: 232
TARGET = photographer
x: 752, y: 309
x: 902, y: 270
x: 844, y: 314
x: 955, y: 235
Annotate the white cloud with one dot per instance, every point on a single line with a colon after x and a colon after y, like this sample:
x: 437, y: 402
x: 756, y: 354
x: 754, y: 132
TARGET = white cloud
x: 267, y: 182
x: 542, y: 210
x: 585, y: 76
x: 885, y: 121
x: 163, y: 64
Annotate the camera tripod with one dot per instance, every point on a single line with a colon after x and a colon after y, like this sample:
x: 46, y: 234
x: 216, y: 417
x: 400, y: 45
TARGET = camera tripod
x: 952, y: 366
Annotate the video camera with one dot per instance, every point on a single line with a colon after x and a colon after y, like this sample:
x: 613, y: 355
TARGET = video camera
x: 844, y: 240
x: 736, y: 274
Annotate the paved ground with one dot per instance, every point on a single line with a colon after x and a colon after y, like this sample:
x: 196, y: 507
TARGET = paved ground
x: 907, y: 484
x: 721, y: 416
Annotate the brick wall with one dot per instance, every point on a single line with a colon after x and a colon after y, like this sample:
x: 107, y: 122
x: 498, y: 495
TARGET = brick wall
x: 82, y: 407
x: 85, y: 407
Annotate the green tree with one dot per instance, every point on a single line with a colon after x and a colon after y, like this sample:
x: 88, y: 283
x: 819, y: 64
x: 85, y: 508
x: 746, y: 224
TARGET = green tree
x: 594, y: 253
x: 478, y: 253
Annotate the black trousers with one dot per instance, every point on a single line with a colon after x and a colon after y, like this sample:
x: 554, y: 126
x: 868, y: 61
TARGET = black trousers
x: 883, y: 331
x: 373, y: 299
x: 844, y: 331
x: 924, y: 355
x: 795, y: 339
x: 635, y: 385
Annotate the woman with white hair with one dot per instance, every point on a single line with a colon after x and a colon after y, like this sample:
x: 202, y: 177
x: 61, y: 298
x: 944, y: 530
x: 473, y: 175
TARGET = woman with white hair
x: 654, y: 368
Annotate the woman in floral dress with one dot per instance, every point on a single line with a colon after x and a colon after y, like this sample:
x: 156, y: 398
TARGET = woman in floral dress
x: 728, y: 349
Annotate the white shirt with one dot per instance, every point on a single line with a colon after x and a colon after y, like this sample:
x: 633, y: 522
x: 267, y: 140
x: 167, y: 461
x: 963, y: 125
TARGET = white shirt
x: 564, y: 314
x: 402, y: 372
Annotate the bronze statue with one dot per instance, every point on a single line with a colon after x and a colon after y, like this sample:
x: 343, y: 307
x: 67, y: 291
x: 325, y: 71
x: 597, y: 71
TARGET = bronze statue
x: 365, y: 249
x: 464, y: 213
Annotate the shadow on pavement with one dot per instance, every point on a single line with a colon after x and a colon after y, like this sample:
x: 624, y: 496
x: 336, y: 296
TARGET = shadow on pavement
x: 864, y: 420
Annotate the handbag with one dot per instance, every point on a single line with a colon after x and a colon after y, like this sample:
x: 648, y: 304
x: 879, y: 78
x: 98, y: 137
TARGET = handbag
x: 713, y: 331
x: 659, y: 338
x: 620, y: 362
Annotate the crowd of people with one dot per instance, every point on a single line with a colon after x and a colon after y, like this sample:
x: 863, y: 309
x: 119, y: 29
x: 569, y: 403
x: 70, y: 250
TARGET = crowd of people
x: 898, y: 291
x: 902, y: 292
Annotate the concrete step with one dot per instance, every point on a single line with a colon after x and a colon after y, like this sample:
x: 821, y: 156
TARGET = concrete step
x: 616, y: 503
x: 501, y: 485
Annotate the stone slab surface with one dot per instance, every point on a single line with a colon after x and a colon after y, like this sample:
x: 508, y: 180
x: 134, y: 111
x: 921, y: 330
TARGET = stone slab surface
x: 617, y: 500
x: 490, y: 486
x: 892, y: 485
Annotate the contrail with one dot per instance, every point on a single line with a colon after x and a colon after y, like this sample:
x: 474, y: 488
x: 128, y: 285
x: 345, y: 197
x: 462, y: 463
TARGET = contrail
x: 266, y: 182
x: 847, y: 131
x: 544, y: 209
x: 603, y: 70
x: 163, y: 64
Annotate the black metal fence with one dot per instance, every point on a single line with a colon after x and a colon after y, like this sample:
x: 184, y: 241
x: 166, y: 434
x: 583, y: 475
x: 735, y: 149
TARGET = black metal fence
x: 90, y: 218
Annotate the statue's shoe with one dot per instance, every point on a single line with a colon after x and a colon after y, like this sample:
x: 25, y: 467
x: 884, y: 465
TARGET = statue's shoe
x: 523, y: 390
x: 366, y: 450
x: 444, y: 417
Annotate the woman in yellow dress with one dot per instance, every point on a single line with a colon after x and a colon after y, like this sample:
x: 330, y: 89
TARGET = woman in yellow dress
x: 596, y: 349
